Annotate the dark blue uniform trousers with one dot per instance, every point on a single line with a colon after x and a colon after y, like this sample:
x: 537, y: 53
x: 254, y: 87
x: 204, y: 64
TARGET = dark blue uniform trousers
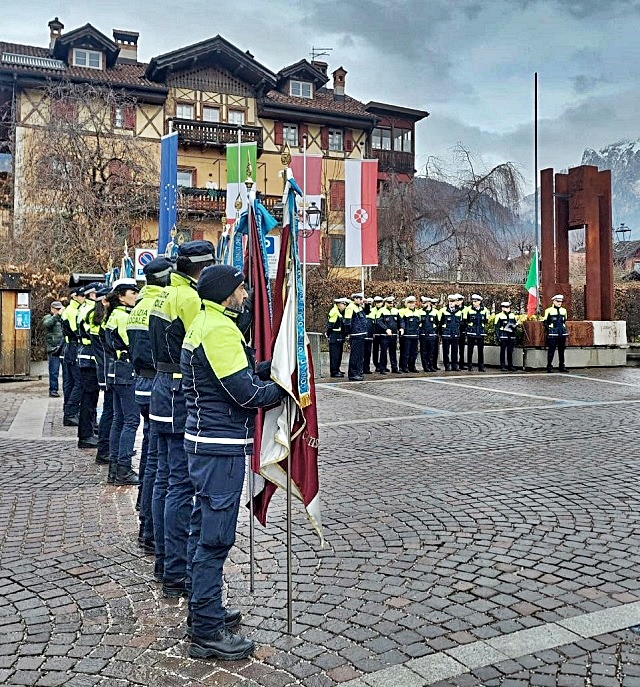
x: 106, y: 419
x: 71, y: 388
x: 218, y: 483
x: 126, y: 418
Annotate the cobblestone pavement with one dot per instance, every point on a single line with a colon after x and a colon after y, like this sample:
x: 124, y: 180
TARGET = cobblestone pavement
x: 481, y: 530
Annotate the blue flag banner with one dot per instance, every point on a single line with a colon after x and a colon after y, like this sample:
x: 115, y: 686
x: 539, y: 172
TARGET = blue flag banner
x: 168, y: 205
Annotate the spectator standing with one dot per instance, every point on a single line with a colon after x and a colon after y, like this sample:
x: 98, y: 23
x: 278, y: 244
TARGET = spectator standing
x: 54, y: 339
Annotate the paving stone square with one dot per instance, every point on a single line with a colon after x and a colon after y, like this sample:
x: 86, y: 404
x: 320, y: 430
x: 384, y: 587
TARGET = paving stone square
x: 463, y: 514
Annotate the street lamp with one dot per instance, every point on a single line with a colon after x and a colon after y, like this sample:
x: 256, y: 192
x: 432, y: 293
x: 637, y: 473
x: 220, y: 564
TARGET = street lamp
x: 623, y: 232
x: 313, y: 215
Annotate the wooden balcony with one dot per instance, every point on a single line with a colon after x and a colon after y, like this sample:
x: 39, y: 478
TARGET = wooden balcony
x: 214, y: 134
x: 394, y: 161
x: 214, y: 202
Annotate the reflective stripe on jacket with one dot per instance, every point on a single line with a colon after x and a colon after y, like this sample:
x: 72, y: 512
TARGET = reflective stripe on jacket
x: 221, y: 388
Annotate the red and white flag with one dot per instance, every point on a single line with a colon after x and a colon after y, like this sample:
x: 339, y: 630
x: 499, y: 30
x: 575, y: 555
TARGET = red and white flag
x: 311, y: 185
x: 360, y: 213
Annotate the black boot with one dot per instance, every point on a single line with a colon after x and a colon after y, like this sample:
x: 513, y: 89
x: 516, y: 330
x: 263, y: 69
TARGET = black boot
x: 111, y: 477
x: 173, y: 589
x: 70, y: 421
x: 102, y: 458
x: 223, y: 645
x: 126, y: 476
x: 232, y: 618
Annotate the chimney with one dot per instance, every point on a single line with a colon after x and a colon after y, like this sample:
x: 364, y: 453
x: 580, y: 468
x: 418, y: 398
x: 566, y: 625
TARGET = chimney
x: 55, y: 31
x: 338, y: 83
x: 127, y: 41
x: 320, y: 66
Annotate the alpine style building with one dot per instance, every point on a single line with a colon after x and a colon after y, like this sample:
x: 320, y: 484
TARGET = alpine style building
x: 204, y: 92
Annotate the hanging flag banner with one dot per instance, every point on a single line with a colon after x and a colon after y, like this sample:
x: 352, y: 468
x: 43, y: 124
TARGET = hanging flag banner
x: 168, y: 205
x: 531, y: 285
x: 361, y: 213
x: 311, y: 185
x: 236, y: 175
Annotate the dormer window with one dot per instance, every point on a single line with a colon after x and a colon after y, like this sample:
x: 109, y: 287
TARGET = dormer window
x: 301, y: 89
x: 87, y: 58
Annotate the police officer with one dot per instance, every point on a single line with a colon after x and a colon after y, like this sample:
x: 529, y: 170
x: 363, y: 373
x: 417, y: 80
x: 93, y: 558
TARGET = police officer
x: 449, y: 323
x: 378, y: 302
x: 71, y: 383
x: 410, y: 331
x: 387, y: 325
x: 475, y: 317
x: 505, y: 328
x: 87, y: 369
x: 428, y: 334
x: 157, y: 274
x: 355, y: 320
x: 370, y: 311
x: 335, y: 334
x: 223, y: 391
x: 171, y: 315
x: 462, y: 340
x: 126, y: 415
x: 555, y: 322
x: 97, y: 334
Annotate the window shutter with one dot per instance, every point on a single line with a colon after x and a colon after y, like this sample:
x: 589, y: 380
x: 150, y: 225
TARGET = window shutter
x: 303, y: 130
x: 278, y: 135
x: 336, y: 195
x: 324, y: 138
x: 130, y: 117
x: 348, y: 140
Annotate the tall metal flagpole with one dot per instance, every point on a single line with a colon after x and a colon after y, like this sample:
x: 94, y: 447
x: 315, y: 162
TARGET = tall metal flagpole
x: 535, y: 179
x: 251, y: 252
x: 286, y: 161
x: 304, y: 228
x: 238, y: 201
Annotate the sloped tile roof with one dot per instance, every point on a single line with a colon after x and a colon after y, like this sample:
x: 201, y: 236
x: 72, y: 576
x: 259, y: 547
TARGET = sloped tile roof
x: 323, y: 101
x: 121, y: 74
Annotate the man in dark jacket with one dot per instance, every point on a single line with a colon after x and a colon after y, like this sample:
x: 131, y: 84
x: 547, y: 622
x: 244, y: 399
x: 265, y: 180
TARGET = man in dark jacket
x: 223, y: 391
x: 54, y: 339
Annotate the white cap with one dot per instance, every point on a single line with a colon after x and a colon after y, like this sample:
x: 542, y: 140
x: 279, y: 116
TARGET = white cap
x: 357, y: 295
x: 476, y: 297
x: 341, y: 300
x: 410, y: 299
x: 434, y: 300
x: 389, y: 299
x: 452, y: 297
x: 505, y: 304
x: 424, y: 299
x: 459, y: 297
x: 368, y: 300
x: 125, y: 283
x: 378, y: 299
x: 558, y: 297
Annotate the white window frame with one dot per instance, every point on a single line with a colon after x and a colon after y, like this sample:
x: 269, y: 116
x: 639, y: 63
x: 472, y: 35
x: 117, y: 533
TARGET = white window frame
x: 385, y: 138
x: 402, y: 138
x: 210, y: 108
x: 291, y: 134
x: 118, y: 118
x: 85, y: 60
x: 336, y: 140
x: 184, y: 105
x: 301, y: 89
x: 182, y: 182
x: 232, y: 113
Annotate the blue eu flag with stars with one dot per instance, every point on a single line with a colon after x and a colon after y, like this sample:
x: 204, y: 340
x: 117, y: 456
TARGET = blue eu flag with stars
x: 168, y: 206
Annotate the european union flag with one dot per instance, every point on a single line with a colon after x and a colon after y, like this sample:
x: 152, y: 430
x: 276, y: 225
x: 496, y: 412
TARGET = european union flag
x: 168, y: 206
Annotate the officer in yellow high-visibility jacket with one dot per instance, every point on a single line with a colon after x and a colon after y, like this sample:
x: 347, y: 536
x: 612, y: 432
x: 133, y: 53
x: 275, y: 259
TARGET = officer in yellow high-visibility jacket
x: 555, y: 322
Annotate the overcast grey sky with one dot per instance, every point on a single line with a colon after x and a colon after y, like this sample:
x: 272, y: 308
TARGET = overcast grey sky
x: 469, y: 63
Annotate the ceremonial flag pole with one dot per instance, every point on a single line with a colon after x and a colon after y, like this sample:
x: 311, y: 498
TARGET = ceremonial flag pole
x: 168, y: 201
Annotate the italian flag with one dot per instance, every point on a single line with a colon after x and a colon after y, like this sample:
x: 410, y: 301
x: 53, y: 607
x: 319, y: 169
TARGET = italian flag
x: 531, y: 285
x: 236, y: 175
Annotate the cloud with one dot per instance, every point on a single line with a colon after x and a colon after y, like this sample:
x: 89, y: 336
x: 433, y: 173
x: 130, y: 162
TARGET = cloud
x: 584, y: 83
x: 583, y: 9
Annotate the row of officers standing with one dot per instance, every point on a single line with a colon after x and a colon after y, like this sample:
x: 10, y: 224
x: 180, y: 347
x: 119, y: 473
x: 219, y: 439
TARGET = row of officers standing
x: 173, y: 354
x: 390, y: 339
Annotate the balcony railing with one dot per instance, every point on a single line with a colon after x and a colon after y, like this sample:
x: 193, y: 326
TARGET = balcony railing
x: 214, y: 201
x: 394, y: 161
x: 214, y: 134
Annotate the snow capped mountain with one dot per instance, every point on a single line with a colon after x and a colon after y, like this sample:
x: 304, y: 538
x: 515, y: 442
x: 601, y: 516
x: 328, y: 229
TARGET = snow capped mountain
x: 623, y: 159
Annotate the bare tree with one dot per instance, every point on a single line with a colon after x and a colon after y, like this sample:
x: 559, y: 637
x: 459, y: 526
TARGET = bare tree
x: 460, y: 222
x: 84, y: 181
